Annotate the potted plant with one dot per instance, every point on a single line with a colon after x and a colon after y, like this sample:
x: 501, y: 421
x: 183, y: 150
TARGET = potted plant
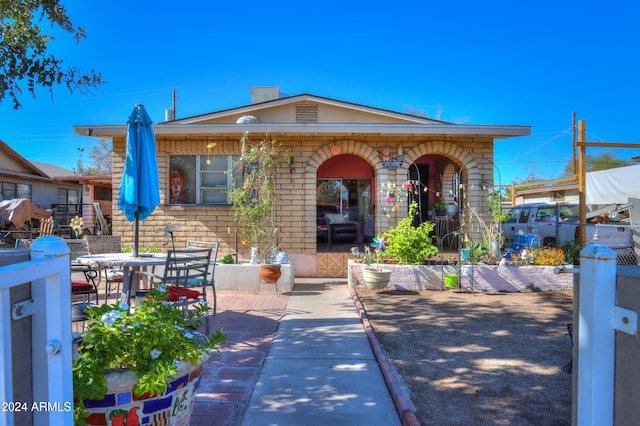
x: 492, y: 236
x: 376, y: 278
x: 254, y: 201
x: 452, y: 208
x: 123, y: 360
x: 439, y: 208
x: 410, y: 244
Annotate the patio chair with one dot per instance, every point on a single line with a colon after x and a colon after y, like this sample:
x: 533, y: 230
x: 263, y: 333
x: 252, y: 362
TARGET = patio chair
x: 89, y: 285
x: 100, y: 244
x: 101, y: 222
x: 46, y: 227
x: 85, y: 287
x: 186, y: 274
x: 79, y: 286
x: 191, y: 244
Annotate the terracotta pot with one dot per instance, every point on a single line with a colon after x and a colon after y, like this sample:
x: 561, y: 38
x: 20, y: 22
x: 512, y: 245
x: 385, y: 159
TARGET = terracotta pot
x: 376, y: 278
x: 270, y: 272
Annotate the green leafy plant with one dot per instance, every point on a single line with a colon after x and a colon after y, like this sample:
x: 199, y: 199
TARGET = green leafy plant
x: 409, y: 244
x: 153, y: 248
x: 227, y: 259
x: 147, y: 342
x: 571, y: 251
x: 438, y: 206
x: 491, y: 231
x: 478, y: 252
x: 255, y: 200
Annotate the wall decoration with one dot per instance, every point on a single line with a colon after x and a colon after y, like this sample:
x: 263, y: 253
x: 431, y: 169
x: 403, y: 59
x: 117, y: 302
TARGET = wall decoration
x: 176, y: 187
x: 385, y: 153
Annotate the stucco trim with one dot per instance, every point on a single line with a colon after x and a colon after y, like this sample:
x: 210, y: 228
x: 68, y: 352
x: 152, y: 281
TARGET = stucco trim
x: 495, y: 131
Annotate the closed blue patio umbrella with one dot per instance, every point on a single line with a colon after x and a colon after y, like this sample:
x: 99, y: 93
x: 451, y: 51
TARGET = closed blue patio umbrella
x: 139, y: 188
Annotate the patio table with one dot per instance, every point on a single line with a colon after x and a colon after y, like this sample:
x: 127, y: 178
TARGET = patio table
x: 129, y: 264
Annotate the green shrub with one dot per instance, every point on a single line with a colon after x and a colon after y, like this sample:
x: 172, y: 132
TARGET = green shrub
x: 408, y: 244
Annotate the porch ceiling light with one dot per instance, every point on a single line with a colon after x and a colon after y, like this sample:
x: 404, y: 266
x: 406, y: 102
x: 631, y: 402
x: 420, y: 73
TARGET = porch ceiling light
x: 211, y: 145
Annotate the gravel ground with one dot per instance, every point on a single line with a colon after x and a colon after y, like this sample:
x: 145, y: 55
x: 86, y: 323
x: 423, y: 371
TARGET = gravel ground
x: 481, y: 359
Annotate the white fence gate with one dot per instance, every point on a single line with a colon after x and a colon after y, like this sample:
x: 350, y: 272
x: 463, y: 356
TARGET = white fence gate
x: 598, y: 319
x: 49, y: 308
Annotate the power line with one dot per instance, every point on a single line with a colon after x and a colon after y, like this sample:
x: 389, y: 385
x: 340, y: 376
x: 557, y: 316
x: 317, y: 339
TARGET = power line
x: 565, y: 132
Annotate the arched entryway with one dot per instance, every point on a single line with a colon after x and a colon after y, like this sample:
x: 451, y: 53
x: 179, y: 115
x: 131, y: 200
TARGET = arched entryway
x: 436, y: 179
x: 345, y: 186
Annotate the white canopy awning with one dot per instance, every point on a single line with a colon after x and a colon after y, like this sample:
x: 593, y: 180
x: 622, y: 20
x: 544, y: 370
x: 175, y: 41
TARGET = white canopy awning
x: 613, y: 186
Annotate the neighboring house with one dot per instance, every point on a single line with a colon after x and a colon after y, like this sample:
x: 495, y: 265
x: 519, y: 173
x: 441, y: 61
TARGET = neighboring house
x: 357, y: 148
x: 555, y: 191
x: 95, y: 189
x: 21, y: 178
x: 52, y: 187
x: 602, y: 188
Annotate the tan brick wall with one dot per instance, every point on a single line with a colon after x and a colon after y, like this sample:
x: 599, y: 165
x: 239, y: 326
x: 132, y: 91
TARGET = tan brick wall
x: 296, y: 209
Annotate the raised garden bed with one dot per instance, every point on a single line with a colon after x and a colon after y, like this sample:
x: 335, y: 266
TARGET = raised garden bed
x: 485, y: 277
x: 244, y: 276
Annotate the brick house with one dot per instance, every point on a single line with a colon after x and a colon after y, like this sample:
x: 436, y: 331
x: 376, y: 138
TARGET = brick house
x: 359, y: 149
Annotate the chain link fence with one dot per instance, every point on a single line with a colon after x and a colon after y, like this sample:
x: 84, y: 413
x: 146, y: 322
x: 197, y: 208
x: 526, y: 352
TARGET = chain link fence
x: 623, y: 239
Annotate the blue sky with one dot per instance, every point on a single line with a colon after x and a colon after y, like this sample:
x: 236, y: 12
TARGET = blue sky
x: 494, y: 62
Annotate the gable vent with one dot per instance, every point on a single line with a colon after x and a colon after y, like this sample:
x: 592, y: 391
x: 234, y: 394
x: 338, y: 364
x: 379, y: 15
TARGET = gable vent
x: 306, y: 114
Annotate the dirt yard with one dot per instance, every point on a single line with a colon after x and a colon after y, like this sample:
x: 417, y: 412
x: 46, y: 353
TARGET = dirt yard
x: 483, y: 358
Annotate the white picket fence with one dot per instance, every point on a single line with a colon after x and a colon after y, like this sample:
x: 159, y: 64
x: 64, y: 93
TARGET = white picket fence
x: 50, y: 310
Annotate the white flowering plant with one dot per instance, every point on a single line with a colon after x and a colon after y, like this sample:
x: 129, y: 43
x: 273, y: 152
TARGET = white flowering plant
x: 148, y: 342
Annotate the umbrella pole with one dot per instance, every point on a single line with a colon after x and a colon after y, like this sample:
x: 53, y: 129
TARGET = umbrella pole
x: 135, y: 236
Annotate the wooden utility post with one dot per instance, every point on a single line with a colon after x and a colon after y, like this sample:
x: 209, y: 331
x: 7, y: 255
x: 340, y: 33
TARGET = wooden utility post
x: 573, y: 143
x: 582, y: 176
x: 582, y: 167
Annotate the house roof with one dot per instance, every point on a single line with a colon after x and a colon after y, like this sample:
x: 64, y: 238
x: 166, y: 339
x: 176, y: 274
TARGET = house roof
x: 63, y: 174
x: 306, y: 97
x: 52, y: 170
x: 23, y: 169
x: 364, y: 120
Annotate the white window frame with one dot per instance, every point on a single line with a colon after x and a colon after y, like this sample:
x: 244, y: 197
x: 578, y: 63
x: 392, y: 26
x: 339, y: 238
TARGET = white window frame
x: 200, y: 189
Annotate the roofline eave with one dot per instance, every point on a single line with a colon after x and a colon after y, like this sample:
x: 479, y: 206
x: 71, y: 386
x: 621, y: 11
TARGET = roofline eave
x: 497, y: 131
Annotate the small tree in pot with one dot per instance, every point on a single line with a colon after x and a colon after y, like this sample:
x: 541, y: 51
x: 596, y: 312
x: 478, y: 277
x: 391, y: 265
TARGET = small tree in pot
x: 255, y: 199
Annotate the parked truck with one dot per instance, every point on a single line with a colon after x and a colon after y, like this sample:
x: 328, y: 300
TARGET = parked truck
x: 554, y: 224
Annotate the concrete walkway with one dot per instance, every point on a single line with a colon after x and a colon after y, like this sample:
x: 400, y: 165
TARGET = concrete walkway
x: 296, y: 358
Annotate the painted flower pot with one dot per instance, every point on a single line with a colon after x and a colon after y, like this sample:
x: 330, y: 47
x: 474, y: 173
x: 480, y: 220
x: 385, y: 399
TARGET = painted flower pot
x: 122, y: 407
x: 270, y: 272
x: 376, y: 278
